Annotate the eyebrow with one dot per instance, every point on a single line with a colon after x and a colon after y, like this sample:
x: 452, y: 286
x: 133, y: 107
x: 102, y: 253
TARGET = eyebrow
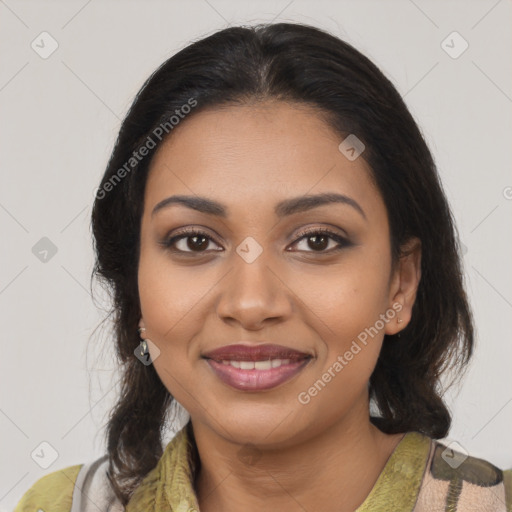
x: 282, y: 209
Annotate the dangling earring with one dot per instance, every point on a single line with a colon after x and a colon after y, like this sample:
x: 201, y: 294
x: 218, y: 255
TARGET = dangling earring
x: 144, y: 351
x: 399, y: 320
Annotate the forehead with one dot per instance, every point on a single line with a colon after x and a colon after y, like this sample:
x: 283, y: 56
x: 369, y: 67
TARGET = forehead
x: 253, y: 154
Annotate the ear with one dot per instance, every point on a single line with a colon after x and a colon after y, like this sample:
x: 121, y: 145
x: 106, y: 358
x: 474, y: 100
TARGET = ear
x: 141, y: 324
x: 404, y: 285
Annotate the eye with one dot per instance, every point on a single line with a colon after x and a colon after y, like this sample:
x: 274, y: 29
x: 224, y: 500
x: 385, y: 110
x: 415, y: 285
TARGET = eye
x: 191, y: 240
x: 318, y: 239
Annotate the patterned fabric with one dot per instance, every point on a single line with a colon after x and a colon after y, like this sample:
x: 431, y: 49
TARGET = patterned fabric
x: 421, y: 475
x: 456, y: 482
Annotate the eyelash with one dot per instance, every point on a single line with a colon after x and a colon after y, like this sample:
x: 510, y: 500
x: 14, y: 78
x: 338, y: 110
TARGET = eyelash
x: 190, y: 232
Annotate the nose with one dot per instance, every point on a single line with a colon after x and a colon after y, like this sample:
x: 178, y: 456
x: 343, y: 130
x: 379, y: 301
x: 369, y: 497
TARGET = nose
x: 253, y: 293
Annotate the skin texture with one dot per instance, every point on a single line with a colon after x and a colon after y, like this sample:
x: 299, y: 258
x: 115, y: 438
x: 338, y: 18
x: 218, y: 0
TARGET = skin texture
x: 266, y: 449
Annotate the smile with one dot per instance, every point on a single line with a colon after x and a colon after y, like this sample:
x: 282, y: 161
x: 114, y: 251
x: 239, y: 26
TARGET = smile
x: 256, y: 375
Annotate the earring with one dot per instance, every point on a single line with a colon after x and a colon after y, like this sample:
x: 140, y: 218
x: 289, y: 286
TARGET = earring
x: 399, y: 320
x: 144, y: 351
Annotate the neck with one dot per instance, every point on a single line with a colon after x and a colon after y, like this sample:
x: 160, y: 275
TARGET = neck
x: 343, y: 461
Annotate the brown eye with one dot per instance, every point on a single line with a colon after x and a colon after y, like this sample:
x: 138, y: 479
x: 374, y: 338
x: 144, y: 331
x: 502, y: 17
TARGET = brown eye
x: 318, y: 241
x: 189, y: 242
x: 199, y: 242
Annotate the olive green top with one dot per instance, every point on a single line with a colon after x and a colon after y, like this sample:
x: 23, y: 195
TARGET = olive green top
x: 420, y: 475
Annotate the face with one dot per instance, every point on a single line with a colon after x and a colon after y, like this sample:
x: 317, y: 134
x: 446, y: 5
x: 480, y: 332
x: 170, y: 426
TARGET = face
x: 263, y: 266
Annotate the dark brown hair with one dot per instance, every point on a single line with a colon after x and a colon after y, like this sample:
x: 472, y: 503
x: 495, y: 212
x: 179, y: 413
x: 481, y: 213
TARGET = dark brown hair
x: 294, y: 63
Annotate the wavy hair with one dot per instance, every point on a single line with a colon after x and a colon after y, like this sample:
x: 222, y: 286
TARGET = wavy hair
x: 302, y: 64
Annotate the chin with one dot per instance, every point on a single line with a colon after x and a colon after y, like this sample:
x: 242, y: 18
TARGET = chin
x: 274, y: 428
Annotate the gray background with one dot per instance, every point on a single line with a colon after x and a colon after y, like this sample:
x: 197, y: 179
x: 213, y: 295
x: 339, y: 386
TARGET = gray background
x: 60, y: 117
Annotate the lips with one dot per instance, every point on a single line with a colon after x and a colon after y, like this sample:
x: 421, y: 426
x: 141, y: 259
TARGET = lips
x: 256, y: 367
x: 241, y: 352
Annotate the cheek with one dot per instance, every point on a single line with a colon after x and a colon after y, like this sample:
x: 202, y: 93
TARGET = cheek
x: 347, y: 309
x: 169, y: 295
x: 350, y: 297
x: 175, y: 305
x: 352, y: 334
x: 170, y: 320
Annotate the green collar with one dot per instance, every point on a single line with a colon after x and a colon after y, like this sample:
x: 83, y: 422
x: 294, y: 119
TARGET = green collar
x: 398, y: 485
x: 169, y: 486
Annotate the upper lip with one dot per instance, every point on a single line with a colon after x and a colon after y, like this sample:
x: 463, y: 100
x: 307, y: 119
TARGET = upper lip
x: 263, y: 352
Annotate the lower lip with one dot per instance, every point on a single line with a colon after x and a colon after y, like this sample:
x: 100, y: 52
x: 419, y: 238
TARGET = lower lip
x: 256, y: 380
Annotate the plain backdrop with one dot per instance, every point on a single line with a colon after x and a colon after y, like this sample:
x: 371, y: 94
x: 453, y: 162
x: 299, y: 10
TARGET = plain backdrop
x: 59, y: 119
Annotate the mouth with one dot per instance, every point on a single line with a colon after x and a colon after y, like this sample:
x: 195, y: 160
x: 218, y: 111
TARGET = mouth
x: 256, y: 367
x: 243, y: 352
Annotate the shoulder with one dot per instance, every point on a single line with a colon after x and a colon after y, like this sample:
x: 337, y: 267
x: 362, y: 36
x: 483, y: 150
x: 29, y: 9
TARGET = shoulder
x: 79, y: 488
x: 455, y: 480
x: 53, y: 491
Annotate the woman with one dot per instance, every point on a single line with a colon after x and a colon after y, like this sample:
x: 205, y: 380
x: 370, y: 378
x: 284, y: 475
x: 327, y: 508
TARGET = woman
x: 272, y: 225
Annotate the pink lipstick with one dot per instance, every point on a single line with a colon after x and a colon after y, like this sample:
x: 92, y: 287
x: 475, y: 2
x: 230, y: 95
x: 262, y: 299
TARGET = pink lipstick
x: 256, y: 367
